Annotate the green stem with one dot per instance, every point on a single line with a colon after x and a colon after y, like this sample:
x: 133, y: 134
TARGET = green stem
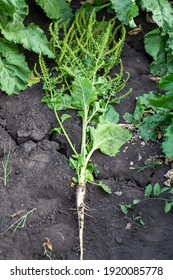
x: 84, y: 131
x: 81, y: 177
x: 65, y: 133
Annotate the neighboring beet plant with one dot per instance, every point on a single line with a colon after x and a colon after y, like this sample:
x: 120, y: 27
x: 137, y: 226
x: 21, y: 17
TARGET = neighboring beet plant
x: 86, y: 51
x: 15, y: 74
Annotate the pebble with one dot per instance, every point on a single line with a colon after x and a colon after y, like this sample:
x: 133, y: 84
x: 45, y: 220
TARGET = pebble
x: 119, y: 240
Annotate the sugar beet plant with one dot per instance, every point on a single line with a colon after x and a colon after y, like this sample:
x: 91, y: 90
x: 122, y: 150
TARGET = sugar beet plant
x: 85, y: 55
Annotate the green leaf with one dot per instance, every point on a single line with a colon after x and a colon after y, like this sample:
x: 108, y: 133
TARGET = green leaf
x: 109, y: 138
x: 33, y: 79
x: 148, y: 127
x: 128, y: 117
x: 136, y: 201
x: 88, y: 176
x: 75, y: 180
x: 142, y: 222
x: 73, y: 163
x: 166, y: 83
x: 164, y: 189
x: 126, y: 10
x: 162, y: 12
x: 89, y: 7
x: 30, y: 37
x: 156, y: 189
x: 165, y: 101
x: 142, y: 105
x: 56, y: 9
x: 167, y: 145
x: 56, y: 129
x: 148, y: 190
x: 14, y: 71
x: 160, y: 51
x: 106, y: 188
x: 65, y: 117
x: 110, y: 116
x: 124, y: 209
x: 156, y: 49
x: 12, y: 12
x: 168, y: 206
x: 83, y: 93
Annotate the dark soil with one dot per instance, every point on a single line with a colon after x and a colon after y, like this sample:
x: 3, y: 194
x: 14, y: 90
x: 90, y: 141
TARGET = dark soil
x: 41, y: 177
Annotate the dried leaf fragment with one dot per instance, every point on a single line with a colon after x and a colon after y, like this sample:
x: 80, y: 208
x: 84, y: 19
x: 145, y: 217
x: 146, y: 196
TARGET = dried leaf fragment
x: 155, y: 79
x: 135, y: 31
x: 47, y: 244
x: 16, y: 214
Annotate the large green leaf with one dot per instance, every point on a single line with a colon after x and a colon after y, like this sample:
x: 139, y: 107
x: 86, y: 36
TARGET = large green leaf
x: 55, y: 9
x: 162, y: 12
x: 126, y: 10
x: 148, y: 127
x: 166, y: 83
x: 109, y: 137
x: 83, y: 93
x: 14, y: 72
x: 154, y: 43
x: 165, y: 101
x: 31, y: 37
x: 12, y: 11
x: 143, y: 105
x: 167, y: 145
x: 157, y: 46
x: 109, y: 116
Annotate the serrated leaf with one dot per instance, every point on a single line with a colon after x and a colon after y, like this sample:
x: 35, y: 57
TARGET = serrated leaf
x: 156, y: 189
x: 142, y: 104
x: 14, y: 71
x: 124, y: 209
x: 149, y: 125
x: 109, y: 138
x: 148, y: 190
x: 168, y: 206
x: 65, y: 117
x: 128, y: 118
x: 162, y: 12
x: 167, y: 145
x: 83, y: 94
x: 12, y: 12
x: 126, y: 10
x: 56, y: 9
x: 106, y: 188
x: 30, y: 37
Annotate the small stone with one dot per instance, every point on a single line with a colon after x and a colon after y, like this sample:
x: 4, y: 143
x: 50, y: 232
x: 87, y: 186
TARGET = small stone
x: 119, y: 240
x: 129, y: 226
x: 118, y: 193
